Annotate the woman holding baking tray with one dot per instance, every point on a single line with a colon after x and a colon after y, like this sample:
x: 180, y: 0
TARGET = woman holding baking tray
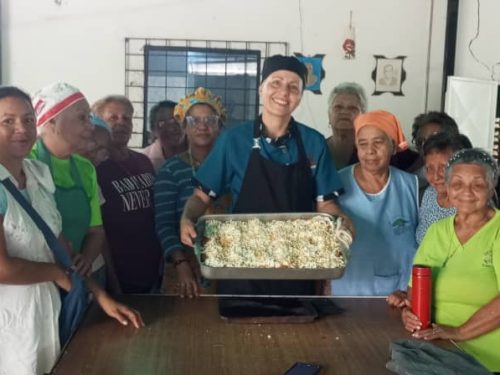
x: 273, y: 164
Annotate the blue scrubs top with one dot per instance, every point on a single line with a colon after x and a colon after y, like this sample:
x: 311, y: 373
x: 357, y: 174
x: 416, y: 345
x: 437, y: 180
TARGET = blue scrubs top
x: 227, y: 162
x: 384, y: 246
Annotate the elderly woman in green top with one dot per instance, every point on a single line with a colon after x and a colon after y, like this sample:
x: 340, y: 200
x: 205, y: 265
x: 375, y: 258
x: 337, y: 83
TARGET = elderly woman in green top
x: 63, y: 123
x: 463, y: 251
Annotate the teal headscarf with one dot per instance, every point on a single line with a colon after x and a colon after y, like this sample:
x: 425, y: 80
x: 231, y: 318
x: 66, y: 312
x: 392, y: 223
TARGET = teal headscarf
x: 97, y: 121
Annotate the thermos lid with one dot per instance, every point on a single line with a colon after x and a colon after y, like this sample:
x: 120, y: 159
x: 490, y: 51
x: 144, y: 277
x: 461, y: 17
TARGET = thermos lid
x: 419, y: 270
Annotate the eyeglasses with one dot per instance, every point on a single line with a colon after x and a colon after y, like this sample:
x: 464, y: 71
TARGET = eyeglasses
x: 196, y: 121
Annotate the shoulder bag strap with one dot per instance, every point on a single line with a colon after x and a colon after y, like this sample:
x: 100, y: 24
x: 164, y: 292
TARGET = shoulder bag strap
x: 60, y: 253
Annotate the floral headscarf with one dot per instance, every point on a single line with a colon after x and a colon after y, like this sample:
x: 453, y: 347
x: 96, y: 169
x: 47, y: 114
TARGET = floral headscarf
x: 200, y: 96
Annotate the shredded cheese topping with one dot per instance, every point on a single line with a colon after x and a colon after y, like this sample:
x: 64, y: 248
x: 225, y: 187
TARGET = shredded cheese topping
x: 312, y: 243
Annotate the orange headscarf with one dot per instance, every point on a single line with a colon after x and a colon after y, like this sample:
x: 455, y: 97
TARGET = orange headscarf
x: 386, y: 122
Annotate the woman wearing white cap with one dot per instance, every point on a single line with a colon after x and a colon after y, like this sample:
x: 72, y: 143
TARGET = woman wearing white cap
x: 63, y: 123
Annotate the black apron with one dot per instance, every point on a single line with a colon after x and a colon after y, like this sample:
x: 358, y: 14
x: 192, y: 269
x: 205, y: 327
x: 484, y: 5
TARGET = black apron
x: 270, y: 187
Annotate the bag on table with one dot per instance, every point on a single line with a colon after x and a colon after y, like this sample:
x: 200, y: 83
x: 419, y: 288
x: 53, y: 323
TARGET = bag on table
x: 415, y: 357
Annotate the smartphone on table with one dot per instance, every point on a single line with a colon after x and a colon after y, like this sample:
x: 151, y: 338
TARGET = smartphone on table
x: 301, y: 368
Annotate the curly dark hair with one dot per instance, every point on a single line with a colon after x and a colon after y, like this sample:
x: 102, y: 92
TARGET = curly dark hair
x: 448, y: 124
x: 445, y: 141
x: 156, y: 108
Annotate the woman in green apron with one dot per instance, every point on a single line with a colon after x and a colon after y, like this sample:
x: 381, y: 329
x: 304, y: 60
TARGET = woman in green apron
x: 64, y: 127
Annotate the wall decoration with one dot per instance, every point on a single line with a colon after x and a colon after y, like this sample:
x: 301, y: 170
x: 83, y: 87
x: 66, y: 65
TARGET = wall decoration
x: 388, y: 75
x: 349, y: 45
x: 316, y: 73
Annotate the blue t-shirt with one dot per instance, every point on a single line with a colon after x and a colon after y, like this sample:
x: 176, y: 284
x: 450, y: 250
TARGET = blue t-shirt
x: 227, y: 162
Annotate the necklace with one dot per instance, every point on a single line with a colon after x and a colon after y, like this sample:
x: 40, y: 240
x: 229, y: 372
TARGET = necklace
x: 192, y: 162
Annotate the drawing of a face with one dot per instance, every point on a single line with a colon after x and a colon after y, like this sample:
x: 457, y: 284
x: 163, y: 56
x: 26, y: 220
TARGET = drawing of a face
x: 388, y: 71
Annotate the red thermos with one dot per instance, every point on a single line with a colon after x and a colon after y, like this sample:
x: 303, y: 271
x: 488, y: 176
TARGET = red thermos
x: 421, y: 291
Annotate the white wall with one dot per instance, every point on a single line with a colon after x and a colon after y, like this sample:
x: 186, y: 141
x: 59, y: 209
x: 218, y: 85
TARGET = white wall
x: 485, y: 46
x: 82, y: 41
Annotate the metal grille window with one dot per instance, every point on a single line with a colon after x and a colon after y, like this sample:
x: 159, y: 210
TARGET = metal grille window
x: 161, y: 69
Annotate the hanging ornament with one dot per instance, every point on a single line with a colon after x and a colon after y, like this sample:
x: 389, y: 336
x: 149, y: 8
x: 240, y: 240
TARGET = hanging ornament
x: 349, y: 45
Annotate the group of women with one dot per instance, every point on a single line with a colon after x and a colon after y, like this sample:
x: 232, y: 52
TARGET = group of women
x: 53, y: 184
x: 447, y: 221
x: 272, y: 164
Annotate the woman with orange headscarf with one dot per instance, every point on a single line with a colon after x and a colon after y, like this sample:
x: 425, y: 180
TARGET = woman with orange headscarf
x: 382, y: 202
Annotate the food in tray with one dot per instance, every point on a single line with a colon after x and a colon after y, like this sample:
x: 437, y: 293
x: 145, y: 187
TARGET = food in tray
x: 318, y: 242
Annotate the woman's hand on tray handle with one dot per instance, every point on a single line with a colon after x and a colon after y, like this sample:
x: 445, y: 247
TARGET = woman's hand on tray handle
x: 188, y: 232
x: 332, y: 208
x: 195, y: 206
x: 348, y: 224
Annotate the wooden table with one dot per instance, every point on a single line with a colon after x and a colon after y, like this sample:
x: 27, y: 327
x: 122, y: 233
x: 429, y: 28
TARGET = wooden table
x: 185, y: 336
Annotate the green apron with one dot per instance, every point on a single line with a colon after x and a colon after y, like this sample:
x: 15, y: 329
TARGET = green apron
x: 73, y: 203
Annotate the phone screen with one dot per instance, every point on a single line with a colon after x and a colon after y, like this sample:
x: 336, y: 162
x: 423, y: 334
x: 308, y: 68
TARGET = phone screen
x: 301, y: 368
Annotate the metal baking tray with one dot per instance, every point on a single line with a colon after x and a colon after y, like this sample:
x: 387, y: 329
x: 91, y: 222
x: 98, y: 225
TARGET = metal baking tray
x: 261, y: 273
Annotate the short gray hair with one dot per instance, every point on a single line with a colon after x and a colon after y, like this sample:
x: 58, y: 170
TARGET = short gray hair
x: 475, y: 156
x: 351, y: 88
x: 99, y: 105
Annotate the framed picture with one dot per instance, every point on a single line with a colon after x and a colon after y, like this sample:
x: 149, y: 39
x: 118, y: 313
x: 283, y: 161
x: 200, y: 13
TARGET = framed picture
x: 315, y: 71
x: 388, y: 75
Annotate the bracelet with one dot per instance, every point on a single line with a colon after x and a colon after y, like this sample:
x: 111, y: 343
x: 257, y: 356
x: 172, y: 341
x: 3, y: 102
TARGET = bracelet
x: 179, y: 261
